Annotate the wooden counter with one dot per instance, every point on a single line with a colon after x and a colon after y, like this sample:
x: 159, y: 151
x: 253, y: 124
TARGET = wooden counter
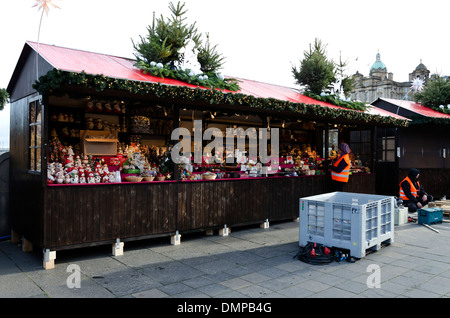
x: 92, y: 214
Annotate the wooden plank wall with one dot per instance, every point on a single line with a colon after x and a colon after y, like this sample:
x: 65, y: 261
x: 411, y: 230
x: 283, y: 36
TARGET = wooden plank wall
x: 285, y: 194
x: 86, y: 215
x: 25, y: 188
x: 210, y: 204
x: 361, y: 183
x: 95, y: 214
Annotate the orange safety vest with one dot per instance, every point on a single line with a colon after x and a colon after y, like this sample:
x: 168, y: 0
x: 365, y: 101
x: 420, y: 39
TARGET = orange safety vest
x: 413, y: 189
x: 343, y: 175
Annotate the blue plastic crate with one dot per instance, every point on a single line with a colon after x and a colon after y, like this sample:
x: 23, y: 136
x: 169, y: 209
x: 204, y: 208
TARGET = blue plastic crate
x: 430, y: 215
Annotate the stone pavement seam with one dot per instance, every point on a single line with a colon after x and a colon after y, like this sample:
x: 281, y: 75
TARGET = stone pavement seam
x: 249, y: 263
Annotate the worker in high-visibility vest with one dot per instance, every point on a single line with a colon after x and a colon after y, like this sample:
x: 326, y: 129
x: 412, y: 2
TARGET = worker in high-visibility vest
x: 340, y: 170
x: 412, y: 192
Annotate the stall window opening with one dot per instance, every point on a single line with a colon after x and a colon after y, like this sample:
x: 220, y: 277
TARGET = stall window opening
x: 35, y: 131
x: 388, y: 149
x: 360, y: 144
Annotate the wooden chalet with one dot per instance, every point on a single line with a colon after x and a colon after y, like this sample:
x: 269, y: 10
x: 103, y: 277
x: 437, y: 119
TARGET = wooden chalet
x: 55, y: 217
x: 424, y: 145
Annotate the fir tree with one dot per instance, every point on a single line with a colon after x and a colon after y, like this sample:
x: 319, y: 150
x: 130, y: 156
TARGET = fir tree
x: 161, y: 52
x: 165, y: 39
x: 4, y: 98
x: 435, y: 94
x: 210, y: 60
x: 316, y: 71
x: 346, y: 82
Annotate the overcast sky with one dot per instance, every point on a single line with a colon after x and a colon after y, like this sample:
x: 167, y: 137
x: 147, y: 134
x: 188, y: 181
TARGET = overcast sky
x: 260, y: 39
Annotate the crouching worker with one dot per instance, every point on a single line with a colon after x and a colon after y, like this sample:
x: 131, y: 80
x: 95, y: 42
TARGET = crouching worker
x: 412, y: 193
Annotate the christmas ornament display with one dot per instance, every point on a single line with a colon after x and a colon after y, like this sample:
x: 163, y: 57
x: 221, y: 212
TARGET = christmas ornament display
x: 140, y: 124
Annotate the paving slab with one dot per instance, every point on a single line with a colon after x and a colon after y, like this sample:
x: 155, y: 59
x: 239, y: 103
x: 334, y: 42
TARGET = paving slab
x: 250, y: 263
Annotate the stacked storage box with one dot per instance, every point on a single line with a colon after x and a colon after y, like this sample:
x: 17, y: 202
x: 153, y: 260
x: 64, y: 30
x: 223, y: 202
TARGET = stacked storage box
x: 351, y: 221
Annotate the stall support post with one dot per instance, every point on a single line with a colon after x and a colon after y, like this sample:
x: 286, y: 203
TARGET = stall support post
x: 27, y: 246
x: 265, y: 224
x: 224, y: 231
x: 15, y: 237
x: 49, y: 259
x: 117, y: 248
x: 175, y: 239
x: 176, y: 124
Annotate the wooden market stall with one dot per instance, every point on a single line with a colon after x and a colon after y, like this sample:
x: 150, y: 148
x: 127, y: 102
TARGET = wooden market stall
x: 423, y: 145
x: 89, y: 112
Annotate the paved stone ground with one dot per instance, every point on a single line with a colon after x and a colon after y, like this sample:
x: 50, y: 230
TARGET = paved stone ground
x: 249, y: 263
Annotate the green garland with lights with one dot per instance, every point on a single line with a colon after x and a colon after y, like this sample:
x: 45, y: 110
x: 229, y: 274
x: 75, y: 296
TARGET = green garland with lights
x: 337, y: 102
x: 435, y: 121
x: 56, y: 79
x: 209, y: 80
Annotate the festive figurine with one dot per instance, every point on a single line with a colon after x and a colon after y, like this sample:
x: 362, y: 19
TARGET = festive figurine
x: 65, y: 132
x: 117, y: 109
x: 90, y: 106
x: 77, y: 161
x: 91, y: 178
x: 51, y: 168
x: 98, y: 168
x: 60, y: 177
x: 74, y: 179
x: 70, y: 151
x: 108, y: 108
x: 67, y: 179
x: 112, y: 177
x: 50, y: 178
x: 81, y: 171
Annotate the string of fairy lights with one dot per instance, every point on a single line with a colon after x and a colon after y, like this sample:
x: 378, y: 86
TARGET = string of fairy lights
x: 57, y: 79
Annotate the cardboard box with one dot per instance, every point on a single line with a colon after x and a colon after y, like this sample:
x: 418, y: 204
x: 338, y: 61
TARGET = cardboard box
x: 98, y: 143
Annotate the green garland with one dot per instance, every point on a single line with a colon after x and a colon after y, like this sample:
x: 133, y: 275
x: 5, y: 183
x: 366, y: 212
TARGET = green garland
x: 56, y: 79
x: 211, y: 80
x: 337, y: 102
x: 435, y: 121
x: 444, y: 110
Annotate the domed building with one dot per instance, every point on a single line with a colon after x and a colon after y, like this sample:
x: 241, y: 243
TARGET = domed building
x: 421, y: 72
x: 380, y: 83
x: 378, y: 67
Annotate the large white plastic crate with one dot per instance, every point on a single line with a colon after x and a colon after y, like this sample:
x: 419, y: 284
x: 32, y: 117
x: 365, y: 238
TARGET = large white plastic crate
x: 351, y: 221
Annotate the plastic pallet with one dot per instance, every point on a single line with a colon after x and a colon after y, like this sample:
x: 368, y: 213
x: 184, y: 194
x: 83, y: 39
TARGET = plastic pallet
x: 351, y: 221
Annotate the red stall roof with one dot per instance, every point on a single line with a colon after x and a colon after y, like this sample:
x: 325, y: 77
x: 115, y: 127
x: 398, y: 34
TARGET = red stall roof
x: 416, y: 108
x: 372, y: 110
x: 74, y: 60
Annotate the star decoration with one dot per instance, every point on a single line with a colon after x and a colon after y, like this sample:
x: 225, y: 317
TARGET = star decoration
x: 417, y: 84
x: 45, y: 5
